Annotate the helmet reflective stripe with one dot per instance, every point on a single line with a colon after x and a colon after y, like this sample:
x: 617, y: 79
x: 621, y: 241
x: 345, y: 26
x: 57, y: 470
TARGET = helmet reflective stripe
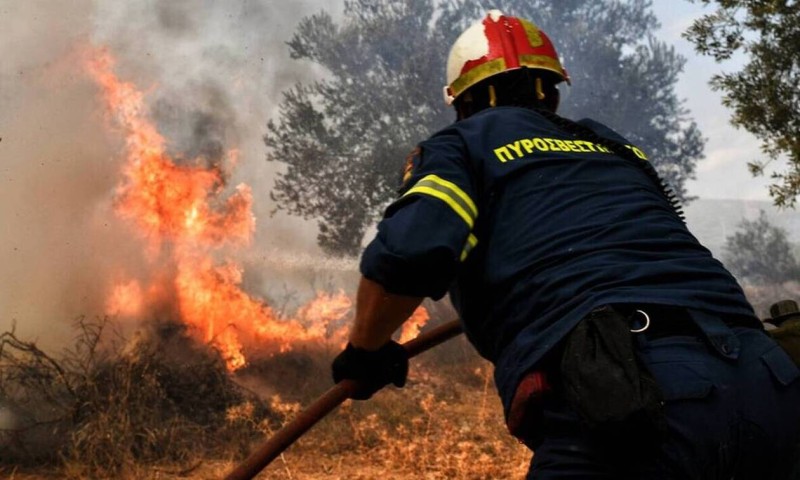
x: 495, y: 45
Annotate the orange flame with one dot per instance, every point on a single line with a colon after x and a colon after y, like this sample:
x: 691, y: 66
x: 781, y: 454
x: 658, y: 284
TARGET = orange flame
x: 165, y: 200
x: 414, y: 324
x: 126, y: 299
x: 188, y: 207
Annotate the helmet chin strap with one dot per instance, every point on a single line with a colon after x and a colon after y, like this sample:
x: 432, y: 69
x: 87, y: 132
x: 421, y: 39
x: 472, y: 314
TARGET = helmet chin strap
x: 525, y: 87
x: 539, y: 90
x: 540, y: 95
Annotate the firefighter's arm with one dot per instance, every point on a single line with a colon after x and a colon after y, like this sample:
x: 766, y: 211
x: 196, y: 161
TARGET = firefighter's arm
x: 421, y: 241
x: 371, y: 357
x: 378, y: 314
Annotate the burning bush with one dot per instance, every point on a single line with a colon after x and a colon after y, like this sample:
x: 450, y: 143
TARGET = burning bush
x: 164, y: 399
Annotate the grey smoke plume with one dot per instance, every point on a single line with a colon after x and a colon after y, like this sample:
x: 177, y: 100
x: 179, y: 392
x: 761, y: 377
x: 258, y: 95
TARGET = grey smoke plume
x: 213, y: 72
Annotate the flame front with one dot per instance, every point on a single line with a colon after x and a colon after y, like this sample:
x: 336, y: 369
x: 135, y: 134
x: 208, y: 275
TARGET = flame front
x: 187, y: 208
x: 126, y: 299
x: 414, y: 324
x: 169, y: 201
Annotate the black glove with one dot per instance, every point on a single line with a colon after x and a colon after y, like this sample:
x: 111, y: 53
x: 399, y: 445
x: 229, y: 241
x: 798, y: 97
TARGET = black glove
x: 372, y: 369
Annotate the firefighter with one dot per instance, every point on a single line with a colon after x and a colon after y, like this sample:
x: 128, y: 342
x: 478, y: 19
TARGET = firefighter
x: 622, y: 348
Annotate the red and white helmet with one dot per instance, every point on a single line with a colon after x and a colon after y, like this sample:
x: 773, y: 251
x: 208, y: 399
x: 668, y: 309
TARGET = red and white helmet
x: 497, y: 44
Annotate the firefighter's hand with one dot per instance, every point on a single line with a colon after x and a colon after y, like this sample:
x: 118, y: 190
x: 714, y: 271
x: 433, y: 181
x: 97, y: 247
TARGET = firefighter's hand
x: 373, y: 369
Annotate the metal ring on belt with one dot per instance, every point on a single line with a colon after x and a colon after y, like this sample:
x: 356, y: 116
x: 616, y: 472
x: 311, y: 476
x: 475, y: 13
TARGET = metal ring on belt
x: 646, y: 324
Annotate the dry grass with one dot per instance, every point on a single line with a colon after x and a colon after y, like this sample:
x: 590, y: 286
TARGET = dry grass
x: 438, y: 427
x: 161, y: 406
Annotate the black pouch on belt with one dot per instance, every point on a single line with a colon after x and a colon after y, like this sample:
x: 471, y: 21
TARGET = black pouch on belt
x: 605, y: 381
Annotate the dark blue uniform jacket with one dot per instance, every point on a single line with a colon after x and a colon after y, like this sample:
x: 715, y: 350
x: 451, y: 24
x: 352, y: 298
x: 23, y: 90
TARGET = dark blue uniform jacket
x: 529, y: 228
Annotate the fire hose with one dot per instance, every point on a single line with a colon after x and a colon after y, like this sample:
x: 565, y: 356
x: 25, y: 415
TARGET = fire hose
x: 268, y: 451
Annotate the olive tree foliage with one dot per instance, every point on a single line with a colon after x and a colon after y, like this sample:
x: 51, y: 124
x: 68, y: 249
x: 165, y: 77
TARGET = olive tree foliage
x: 765, y: 94
x: 759, y: 253
x: 343, y: 137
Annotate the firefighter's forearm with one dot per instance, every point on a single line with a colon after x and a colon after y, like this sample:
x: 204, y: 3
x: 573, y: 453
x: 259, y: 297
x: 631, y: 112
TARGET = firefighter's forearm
x: 378, y: 314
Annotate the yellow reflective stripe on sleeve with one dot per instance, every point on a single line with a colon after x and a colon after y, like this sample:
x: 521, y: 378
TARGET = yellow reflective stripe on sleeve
x: 448, y: 192
x: 430, y: 191
x: 472, y: 240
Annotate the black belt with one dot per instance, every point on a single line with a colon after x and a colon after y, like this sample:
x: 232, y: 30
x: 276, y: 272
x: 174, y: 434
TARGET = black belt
x: 665, y: 321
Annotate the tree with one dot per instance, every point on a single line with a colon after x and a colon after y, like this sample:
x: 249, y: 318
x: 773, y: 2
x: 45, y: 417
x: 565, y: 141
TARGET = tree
x: 765, y: 93
x: 343, y: 138
x: 760, y: 253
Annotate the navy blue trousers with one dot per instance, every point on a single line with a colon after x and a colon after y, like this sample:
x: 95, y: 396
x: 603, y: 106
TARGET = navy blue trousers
x: 728, y: 419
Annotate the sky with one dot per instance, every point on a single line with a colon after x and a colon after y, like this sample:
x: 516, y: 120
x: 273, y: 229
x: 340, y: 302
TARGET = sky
x: 222, y: 65
x: 723, y: 173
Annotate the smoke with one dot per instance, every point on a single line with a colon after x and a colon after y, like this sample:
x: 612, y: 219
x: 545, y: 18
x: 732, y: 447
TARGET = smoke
x: 213, y: 73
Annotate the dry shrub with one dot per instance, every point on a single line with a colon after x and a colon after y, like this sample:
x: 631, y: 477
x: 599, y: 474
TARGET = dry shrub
x: 165, y: 399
